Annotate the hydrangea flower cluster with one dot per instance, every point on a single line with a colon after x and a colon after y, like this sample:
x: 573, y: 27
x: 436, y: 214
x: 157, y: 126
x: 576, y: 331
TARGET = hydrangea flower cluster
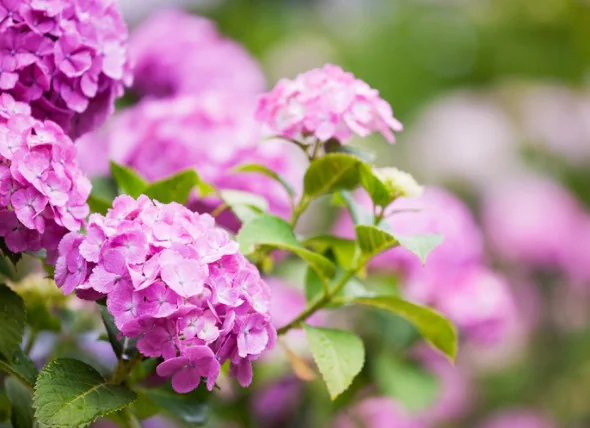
x: 67, y: 59
x: 213, y: 133
x: 326, y: 103
x: 175, y: 281
x: 43, y: 193
x: 178, y: 53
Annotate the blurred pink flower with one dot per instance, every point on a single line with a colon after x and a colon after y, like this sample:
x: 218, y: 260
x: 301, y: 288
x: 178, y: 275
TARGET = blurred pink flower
x: 532, y: 221
x: 178, y: 53
x: 518, y: 418
x: 376, y: 412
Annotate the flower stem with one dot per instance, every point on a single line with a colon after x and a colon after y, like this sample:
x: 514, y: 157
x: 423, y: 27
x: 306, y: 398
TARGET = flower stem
x: 321, y: 302
x: 123, y: 369
x: 299, y: 210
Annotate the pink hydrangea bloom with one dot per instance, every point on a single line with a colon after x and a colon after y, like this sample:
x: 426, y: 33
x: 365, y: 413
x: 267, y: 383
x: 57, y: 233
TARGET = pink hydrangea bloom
x: 67, y: 59
x: 43, y: 193
x: 178, y: 53
x: 212, y: 133
x: 187, y: 295
x: 518, y: 418
x: 377, y: 412
x: 326, y: 103
x: 532, y: 222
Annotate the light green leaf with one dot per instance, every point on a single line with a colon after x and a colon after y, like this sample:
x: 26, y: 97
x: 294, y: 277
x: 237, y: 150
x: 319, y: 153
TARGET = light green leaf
x: 332, y: 172
x: 70, y: 393
x: 21, y: 367
x: 421, y: 245
x: 274, y: 232
x: 190, y: 408
x: 434, y: 327
x: 339, y: 354
x: 264, y: 170
x: 176, y: 188
x: 12, y: 322
x: 104, y: 187
x: 98, y: 204
x: 21, y: 399
x: 344, y: 250
x: 376, y: 189
x: 129, y: 181
x: 373, y: 240
x: 410, y: 384
x: 245, y: 205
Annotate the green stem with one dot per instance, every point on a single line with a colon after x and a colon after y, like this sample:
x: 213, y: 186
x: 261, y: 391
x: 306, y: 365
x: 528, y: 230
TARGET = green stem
x: 299, y: 210
x: 30, y: 341
x: 7, y: 368
x: 123, y: 369
x: 319, y: 303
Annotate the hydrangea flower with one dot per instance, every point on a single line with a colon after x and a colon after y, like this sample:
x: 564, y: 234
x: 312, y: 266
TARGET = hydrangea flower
x: 377, y: 412
x: 212, y: 133
x: 67, y: 59
x: 178, y: 53
x: 326, y: 103
x: 177, y: 283
x: 43, y: 193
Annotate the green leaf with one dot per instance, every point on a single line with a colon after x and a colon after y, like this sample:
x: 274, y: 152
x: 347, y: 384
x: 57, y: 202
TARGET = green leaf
x: 434, y: 327
x: 21, y: 367
x: 12, y: 322
x: 129, y: 181
x: 70, y: 393
x: 408, y: 383
x: 104, y: 187
x: 98, y: 204
x: 190, y: 408
x: 332, y: 172
x: 264, y: 170
x: 22, y: 403
x: 344, y: 250
x: 373, y: 240
x: 245, y: 205
x: 421, y: 245
x: 271, y: 231
x: 339, y: 354
x: 13, y: 257
x: 174, y: 189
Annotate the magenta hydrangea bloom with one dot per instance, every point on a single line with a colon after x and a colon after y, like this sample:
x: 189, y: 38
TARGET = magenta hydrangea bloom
x: 177, y: 283
x: 43, y: 193
x: 67, y: 59
x: 326, y: 103
x: 178, y: 53
x: 212, y: 133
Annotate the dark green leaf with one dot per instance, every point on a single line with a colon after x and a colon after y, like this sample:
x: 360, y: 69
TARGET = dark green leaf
x: 122, y: 346
x: 12, y: 322
x: 21, y: 367
x: 98, y: 204
x: 434, y: 327
x: 129, y: 181
x: 353, y: 288
x: 377, y: 190
x: 104, y: 188
x: 190, y: 408
x: 22, y: 403
x: 339, y: 354
x: 174, y: 189
x: 70, y: 393
x: 7, y: 268
x: 13, y: 257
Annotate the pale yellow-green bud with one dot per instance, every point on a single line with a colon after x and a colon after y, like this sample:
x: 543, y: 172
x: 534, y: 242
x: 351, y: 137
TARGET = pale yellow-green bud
x: 398, y: 182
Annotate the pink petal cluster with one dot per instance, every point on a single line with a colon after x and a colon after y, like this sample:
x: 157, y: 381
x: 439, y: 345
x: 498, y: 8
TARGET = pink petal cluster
x: 177, y: 283
x: 377, y: 412
x: 43, y: 193
x: 212, y: 133
x: 326, y: 103
x: 518, y: 418
x: 66, y: 58
x: 177, y: 53
x: 455, y: 279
